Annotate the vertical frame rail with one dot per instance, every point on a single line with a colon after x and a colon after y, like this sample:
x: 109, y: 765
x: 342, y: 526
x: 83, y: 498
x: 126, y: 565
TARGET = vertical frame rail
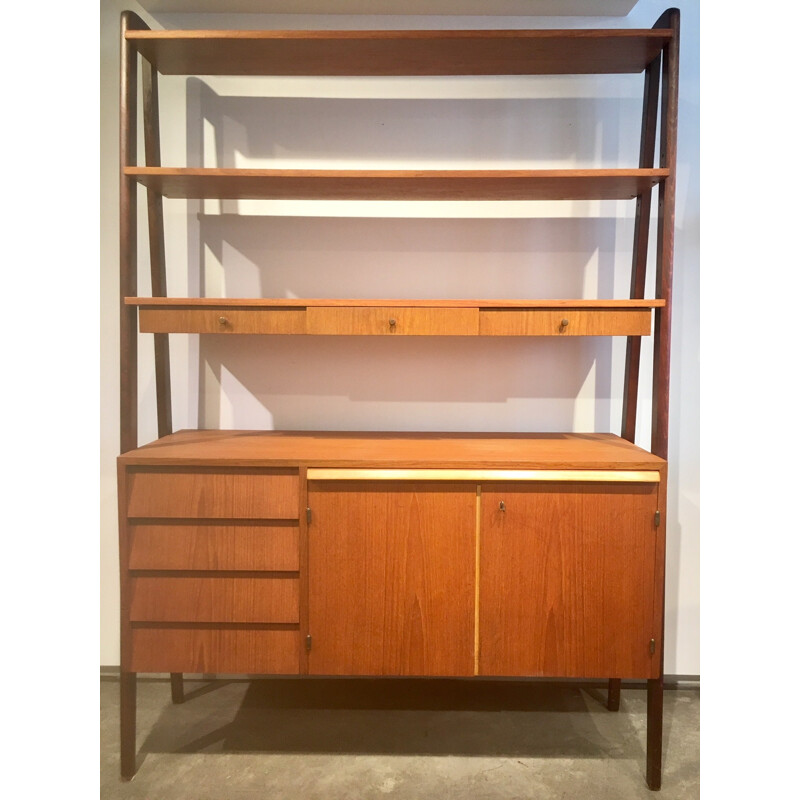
x: 659, y: 439
x: 128, y: 356
x: 127, y: 234
x: 666, y: 234
x: 155, y: 225
x: 641, y: 235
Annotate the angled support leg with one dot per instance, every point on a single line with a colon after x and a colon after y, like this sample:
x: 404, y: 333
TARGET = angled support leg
x: 614, y: 690
x: 655, y: 727
x: 176, y: 684
x: 127, y: 718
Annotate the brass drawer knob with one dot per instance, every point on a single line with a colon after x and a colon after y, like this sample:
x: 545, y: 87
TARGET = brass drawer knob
x: 223, y: 320
x: 564, y: 323
x: 392, y: 323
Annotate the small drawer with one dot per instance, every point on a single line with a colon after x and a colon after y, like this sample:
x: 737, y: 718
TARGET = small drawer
x: 565, y: 322
x: 217, y: 494
x: 207, y: 546
x: 222, y: 320
x: 392, y: 321
x: 191, y: 599
x: 249, y: 652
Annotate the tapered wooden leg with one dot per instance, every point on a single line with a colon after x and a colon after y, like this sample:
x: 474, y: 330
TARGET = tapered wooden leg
x: 176, y: 683
x: 127, y: 718
x: 614, y: 689
x: 655, y: 725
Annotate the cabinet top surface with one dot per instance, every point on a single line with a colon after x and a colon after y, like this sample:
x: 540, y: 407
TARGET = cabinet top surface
x: 399, y: 52
x: 401, y: 450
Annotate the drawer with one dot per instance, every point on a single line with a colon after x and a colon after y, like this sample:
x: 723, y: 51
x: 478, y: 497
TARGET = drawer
x: 579, y: 322
x: 218, y: 494
x: 389, y: 320
x: 192, y: 599
x: 208, y: 546
x: 254, y: 652
x: 222, y: 320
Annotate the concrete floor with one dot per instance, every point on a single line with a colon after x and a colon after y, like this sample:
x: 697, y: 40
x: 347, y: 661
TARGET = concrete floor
x: 398, y: 739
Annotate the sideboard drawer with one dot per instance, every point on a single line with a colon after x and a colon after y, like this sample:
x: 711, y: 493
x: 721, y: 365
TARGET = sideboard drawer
x: 550, y: 322
x: 248, y: 651
x: 210, y: 546
x: 191, y: 599
x: 393, y: 321
x: 219, y: 494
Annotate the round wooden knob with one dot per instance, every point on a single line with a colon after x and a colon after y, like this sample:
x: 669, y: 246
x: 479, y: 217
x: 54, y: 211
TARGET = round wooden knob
x: 392, y: 323
x: 564, y: 323
x: 223, y: 320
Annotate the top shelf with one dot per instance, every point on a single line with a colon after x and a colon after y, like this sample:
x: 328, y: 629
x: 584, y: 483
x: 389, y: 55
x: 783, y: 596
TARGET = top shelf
x: 400, y: 53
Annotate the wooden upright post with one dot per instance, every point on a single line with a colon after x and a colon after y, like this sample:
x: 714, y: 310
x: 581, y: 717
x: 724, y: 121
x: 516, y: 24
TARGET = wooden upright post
x: 661, y: 346
x: 128, y: 354
x: 127, y: 235
x: 666, y: 235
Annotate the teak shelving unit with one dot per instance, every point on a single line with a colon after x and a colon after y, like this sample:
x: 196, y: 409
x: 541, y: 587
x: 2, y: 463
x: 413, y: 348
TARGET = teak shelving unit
x: 518, y: 554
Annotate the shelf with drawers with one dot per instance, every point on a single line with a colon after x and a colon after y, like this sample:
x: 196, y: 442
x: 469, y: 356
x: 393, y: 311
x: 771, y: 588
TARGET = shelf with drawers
x: 475, y: 554
x: 396, y: 317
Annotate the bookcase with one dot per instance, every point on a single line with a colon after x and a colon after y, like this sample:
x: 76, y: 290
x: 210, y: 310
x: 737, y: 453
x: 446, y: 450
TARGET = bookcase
x: 395, y: 553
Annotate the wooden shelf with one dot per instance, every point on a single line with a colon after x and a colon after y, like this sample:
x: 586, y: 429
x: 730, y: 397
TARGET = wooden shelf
x: 297, y: 184
x: 537, y: 8
x: 421, y: 52
x: 394, y: 450
x: 363, y: 317
x: 304, y: 302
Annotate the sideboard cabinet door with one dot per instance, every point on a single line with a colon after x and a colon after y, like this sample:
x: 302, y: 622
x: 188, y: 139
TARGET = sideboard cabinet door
x: 567, y: 580
x: 391, y: 578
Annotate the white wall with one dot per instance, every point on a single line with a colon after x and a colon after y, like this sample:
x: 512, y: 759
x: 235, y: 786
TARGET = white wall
x: 409, y: 249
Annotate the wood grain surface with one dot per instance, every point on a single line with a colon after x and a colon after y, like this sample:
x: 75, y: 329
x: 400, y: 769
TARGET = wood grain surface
x: 214, y: 599
x: 299, y: 184
x: 220, y: 303
x: 391, y: 579
x: 207, y: 546
x: 222, y: 320
x: 371, y: 449
x: 567, y: 581
x: 226, y: 494
x: 220, y: 650
x: 542, y: 322
x: 393, y: 321
x: 399, y: 52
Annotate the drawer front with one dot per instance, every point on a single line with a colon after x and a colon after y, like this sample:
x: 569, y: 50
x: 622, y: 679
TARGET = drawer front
x: 191, y: 599
x: 550, y: 322
x: 206, y: 546
x: 254, y: 652
x: 391, y: 321
x: 231, y: 494
x: 222, y: 320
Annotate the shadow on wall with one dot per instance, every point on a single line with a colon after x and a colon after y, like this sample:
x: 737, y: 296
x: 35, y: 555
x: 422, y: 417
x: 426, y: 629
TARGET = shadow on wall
x: 446, y: 382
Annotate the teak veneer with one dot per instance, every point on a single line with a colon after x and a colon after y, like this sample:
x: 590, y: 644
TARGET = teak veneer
x: 300, y: 184
x: 416, y: 52
x: 389, y: 553
x: 396, y: 317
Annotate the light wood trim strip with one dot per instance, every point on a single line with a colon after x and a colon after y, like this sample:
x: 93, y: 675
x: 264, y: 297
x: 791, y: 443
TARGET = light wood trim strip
x: 574, y: 475
x: 477, y: 651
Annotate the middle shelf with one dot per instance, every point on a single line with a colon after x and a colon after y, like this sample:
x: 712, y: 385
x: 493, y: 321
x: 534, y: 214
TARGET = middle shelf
x: 366, y: 317
x: 366, y: 184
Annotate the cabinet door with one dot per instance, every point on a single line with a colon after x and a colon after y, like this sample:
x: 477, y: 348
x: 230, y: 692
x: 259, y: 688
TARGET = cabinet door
x: 567, y: 580
x: 391, y: 578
